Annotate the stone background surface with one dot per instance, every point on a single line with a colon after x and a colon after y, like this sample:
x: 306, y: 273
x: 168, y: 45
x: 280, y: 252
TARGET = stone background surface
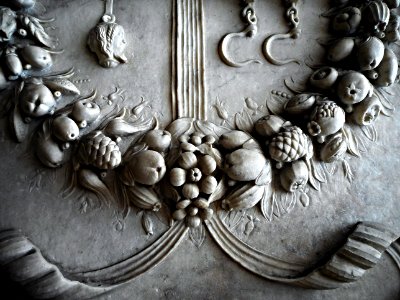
x: 77, y: 241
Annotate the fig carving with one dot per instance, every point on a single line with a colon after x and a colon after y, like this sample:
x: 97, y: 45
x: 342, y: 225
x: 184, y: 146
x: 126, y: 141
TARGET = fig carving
x: 85, y: 112
x: 37, y: 57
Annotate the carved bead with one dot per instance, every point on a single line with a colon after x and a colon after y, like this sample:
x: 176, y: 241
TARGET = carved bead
x: 37, y: 57
x: 244, y: 165
x: 190, y: 191
x: 387, y: 70
x: 177, y: 177
x: 367, y: 111
x: 187, y: 160
x: 192, y: 211
x: 370, y: 53
x: 179, y: 214
x: 269, y: 125
x: 294, y: 176
x: 65, y: 129
x: 146, y: 167
x: 324, y: 78
x: 194, y: 175
x: 158, y: 140
x: 193, y: 221
x: 233, y: 139
x: 207, y: 164
x: 341, y: 49
x: 208, y: 185
x: 334, y: 148
x: 326, y: 119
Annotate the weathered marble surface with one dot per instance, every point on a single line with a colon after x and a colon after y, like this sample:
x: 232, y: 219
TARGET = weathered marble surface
x: 80, y: 241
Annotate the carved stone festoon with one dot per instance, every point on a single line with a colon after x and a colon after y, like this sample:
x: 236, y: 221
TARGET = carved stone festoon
x: 195, y: 176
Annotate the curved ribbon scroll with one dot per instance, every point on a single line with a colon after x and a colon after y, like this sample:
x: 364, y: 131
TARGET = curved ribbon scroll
x: 362, y: 251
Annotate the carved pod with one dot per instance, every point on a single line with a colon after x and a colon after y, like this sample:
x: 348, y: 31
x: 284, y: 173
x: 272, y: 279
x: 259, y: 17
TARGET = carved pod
x: 107, y: 41
x: 65, y: 129
x: 270, y: 125
x: 144, y: 197
x: 348, y: 21
x: 341, y: 49
x: 13, y: 63
x: 85, y: 112
x: 37, y: 57
x: 324, y: 78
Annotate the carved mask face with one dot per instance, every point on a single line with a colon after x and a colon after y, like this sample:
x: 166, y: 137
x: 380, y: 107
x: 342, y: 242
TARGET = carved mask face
x: 8, y: 24
x: 107, y: 40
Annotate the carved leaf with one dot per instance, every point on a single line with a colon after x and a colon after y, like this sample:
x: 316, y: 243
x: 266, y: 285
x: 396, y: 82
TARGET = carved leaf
x: 19, y: 128
x: 267, y: 204
x: 318, y: 172
x: 119, y: 225
x: 251, y: 104
x: 265, y: 176
x: 243, y: 121
x: 219, y: 192
x: 276, y: 104
x: 63, y: 85
x: 213, y: 152
x: 370, y: 132
x: 33, y: 26
x: 147, y: 223
x: 197, y: 235
x: 352, y: 143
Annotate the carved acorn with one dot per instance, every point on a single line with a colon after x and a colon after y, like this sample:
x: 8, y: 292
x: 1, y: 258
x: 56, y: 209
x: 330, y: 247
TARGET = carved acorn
x: 8, y: 24
x: 392, y: 33
x: 366, y: 112
x: 387, y: 70
x: 334, y: 148
x: 3, y: 80
x: 341, y: 49
x: 370, y: 53
x: 376, y: 17
x: 146, y: 167
x: 36, y: 99
x: 85, y: 112
x: 326, y: 119
x: 294, y: 177
x: 352, y: 88
x: 65, y: 129
x: 269, y: 125
x: 233, y: 139
x: 244, y: 164
x: 207, y: 164
x: 158, y: 140
x: 99, y: 151
x: 348, y: 21
x: 290, y: 145
x: 13, y: 63
x: 247, y: 196
x: 22, y: 3
x: 37, y: 57
x: 324, y: 78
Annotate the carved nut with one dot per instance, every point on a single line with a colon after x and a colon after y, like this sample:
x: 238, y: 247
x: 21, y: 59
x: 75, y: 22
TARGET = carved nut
x: 247, y: 196
x: 8, y: 24
x: 85, y: 112
x: 392, y: 3
x: 146, y: 167
x: 370, y: 53
x: 294, y: 177
x: 269, y: 125
x: 324, y: 78
x: 3, y: 80
x: 244, y: 165
x: 158, y: 140
x: 367, y: 111
x: 387, y: 70
x: 65, y: 129
x: 37, y: 57
x: 233, y: 139
x: 352, y: 88
x: 341, y: 49
x: 334, y: 148
x: 326, y: 119
x: 347, y: 21
x: 36, y: 99
x: 187, y: 160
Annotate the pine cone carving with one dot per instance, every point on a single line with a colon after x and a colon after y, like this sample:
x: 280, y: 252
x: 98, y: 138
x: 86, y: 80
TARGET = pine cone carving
x: 99, y: 151
x: 290, y: 145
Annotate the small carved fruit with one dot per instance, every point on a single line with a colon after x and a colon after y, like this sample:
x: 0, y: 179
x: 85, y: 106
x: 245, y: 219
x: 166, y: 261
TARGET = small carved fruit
x: 8, y: 24
x: 207, y: 164
x: 177, y: 177
x: 341, y: 49
x: 352, y: 88
x: 392, y: 3
x: 233, y: 139
x: 326, y: 119
x: 387, y: 70
x: 294, y: 177
x: 85, y: 112
x: 300, y: 104
x: 290, y: 144
x: 334, y: 148
x: 392, y: 33
x: 324, y: 78
x: 190, y: 190
x: 208, y: 185
x: 158, y: 140
x: 376, y: 16
x: 13, y: 63
x: 36, y: 99
x: 367, y: 111
x: 347, y: 21
x: 99, y: 151
x: 65, y: 129
x: 244, y: 165
x: 269, y: 125
x: 37, y: 57
x: 50, y: 152
x: 146, y: 167
x: 370, y: 53
x: 144, y: 197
